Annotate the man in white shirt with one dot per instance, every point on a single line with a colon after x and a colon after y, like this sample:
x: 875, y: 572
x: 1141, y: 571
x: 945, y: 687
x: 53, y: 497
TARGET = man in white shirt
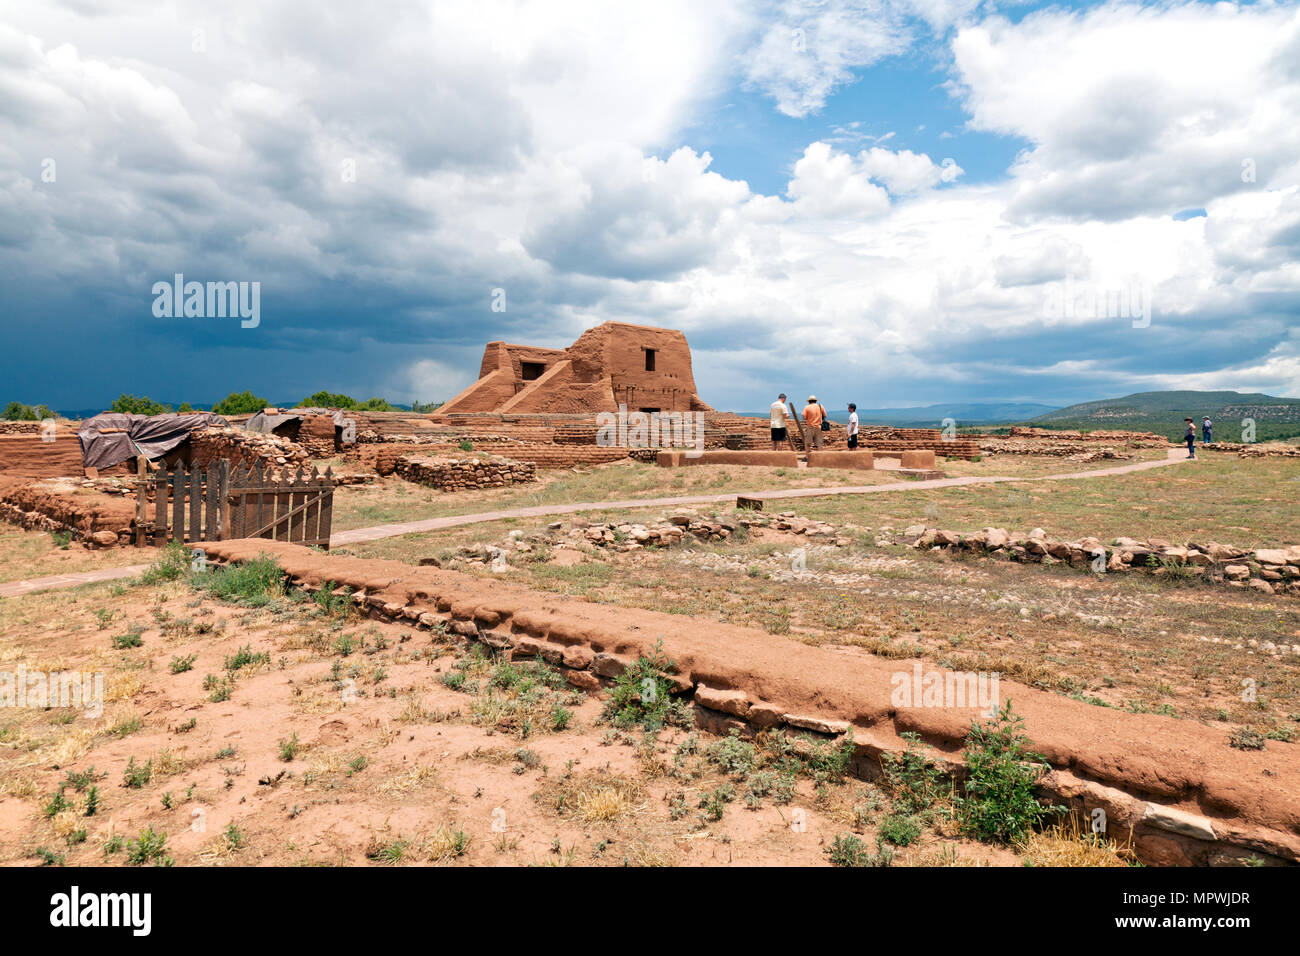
x: 778, y: 422
x: 853, y: 426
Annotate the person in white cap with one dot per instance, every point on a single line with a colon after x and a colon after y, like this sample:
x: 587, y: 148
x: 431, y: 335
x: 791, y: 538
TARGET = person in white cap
x: 778, y: 416
x: 813, y: 416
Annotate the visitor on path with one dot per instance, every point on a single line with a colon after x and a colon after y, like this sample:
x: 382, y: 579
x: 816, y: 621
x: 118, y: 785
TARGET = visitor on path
x: 778, y: 422
x: 1190, y: 438
x: 1207, y: 430
x: 853, y: 426
x: 813, y: 416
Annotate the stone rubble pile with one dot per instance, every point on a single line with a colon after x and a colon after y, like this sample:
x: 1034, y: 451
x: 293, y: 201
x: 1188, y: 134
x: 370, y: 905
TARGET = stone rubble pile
x: 246, y: 448
x: 454, y: 474
x: 1110, y: 436
x: 1268, y: 570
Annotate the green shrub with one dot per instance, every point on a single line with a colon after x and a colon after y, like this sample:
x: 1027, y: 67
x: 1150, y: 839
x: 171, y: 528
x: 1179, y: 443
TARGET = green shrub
x: 642, y: 695
x: 148, y: 848
x: 135, y: 776
x: 848, y: 850
x: 999, y: 804
x: 172, y: 563
x: 900, y: 829
x: 911, y: 777
x: 253, y: 583
x: 129, y: 639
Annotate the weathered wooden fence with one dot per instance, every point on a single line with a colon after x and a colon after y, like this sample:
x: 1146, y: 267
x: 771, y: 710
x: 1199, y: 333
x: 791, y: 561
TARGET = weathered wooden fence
x: 214, y: 503
x: 297, y: 508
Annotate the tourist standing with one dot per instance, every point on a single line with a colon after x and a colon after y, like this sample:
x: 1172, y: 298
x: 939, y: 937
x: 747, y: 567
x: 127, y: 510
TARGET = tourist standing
x: 778, y: 416
x: 1190, y: 438
x: 813, y: 416
x: 853, y: 426
x: 1207, y: 430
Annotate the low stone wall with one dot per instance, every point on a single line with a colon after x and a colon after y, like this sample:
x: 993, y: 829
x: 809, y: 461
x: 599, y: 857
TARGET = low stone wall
x: 99, y: 520
x: 856, y: 460
x: 1268, y: 570
x: 456, y: 474
x: 23, y: 428
x: 770, y: 459
x: 566, y: 456
x: 242, y: 448
x: 317, y: 436
x: 1175, y: 788
x: 1100, y: 436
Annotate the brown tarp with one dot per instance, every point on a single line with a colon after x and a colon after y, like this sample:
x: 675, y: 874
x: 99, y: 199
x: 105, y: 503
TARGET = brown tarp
x: 266, y: 424
x: 113, y: 437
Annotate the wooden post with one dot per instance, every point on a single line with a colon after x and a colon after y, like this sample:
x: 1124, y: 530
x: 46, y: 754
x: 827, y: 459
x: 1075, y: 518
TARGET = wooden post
x: 212, y: 487
x: 178, y: 502
x: 327, y: 510
x: 311, y: 515
x: 196, y: 504
x: 160, y: 506
x: 297, y: 499
x: 141, y: 499
x: 259, y: 481
x: 223, y: 500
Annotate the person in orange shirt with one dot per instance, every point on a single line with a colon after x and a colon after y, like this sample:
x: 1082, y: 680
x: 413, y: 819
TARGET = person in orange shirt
x: 813, y: 414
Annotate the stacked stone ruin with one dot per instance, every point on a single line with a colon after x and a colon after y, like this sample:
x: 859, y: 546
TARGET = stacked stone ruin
x: 1268, y: 570
x: 465, y: 474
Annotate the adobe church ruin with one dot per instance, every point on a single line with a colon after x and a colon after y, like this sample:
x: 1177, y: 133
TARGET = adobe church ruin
x: 637, y: 366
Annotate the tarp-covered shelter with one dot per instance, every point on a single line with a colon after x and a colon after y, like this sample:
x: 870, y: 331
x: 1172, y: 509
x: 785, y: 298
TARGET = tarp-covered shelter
x: 113, y: 437
x: 267, y: 422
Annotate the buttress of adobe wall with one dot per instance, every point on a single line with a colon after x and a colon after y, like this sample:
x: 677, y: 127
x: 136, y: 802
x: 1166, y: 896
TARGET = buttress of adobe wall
x: 619, y: 352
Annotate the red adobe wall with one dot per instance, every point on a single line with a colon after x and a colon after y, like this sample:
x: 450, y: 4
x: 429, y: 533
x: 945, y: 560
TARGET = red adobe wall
x: 1176, y: 787
x: 857, y: 460
x: 771, y: 459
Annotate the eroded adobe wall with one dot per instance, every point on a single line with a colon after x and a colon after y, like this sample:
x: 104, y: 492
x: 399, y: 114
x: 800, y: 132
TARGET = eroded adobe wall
x: 1175, y: 787
x: 28, y: 456
x: 619, y: 352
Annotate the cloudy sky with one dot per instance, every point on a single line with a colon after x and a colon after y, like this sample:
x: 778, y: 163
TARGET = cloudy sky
x: 893, y: 203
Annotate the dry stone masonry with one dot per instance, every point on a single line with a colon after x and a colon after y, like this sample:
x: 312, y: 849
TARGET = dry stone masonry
x: 459, y: 474
x: 1268, y: 570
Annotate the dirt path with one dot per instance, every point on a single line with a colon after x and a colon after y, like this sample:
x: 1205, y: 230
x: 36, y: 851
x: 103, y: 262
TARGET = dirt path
x: 378, y: 532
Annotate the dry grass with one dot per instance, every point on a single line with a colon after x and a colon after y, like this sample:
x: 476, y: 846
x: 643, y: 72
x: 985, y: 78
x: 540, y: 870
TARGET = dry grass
x: 596, y: 797
x: 1066, y: 844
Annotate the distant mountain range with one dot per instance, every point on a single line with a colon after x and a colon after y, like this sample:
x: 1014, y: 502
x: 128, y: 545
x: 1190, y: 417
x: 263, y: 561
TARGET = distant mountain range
x: 1146, y: 406
x: 1163, y: 412
x: 1160, y: 412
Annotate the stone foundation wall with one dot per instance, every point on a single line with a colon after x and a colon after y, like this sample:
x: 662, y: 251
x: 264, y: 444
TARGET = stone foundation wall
x: 317, y: 435
x: 456, y: 474
x: 243, y: 448
x: 100, y: 520
x: 1268, y: 570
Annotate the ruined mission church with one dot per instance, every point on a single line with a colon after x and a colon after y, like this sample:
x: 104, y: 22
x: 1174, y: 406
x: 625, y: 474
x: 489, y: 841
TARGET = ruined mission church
x: 642, y: 368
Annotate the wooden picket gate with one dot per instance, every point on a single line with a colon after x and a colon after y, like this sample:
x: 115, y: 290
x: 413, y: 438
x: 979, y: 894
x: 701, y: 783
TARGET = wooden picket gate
x: 216, y: 504
x: 297, y: 508
x: 198, y: 495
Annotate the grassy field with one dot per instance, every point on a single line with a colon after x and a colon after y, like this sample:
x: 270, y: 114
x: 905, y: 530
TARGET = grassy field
x: 1130, y: 641
x: 1249, y: 503
x: 394, y: 499
x: 34, y: 554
